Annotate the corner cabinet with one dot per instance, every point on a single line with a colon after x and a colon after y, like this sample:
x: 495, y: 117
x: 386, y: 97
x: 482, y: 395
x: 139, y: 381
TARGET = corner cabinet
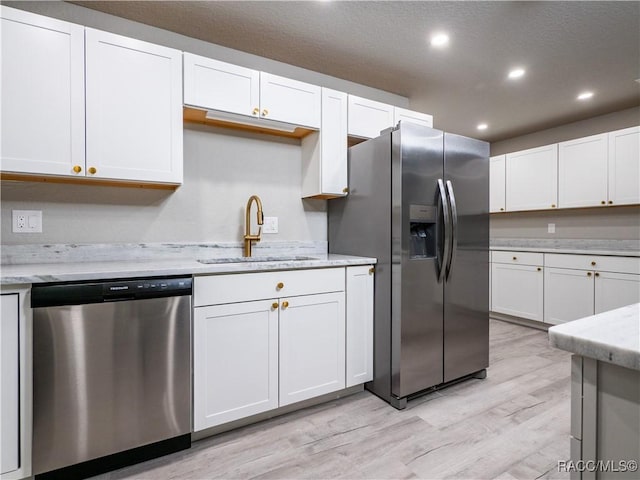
x: 269, y: 339
x: 42, y: 120
x: 114, y: 111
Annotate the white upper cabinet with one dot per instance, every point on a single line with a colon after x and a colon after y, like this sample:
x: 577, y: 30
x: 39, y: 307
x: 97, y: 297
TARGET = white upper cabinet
x: 582, y: 172
x: 324, y: 153
x: 42, y: 95
x: 290, y: 101
x: 367, y: 118
x: 624, y: 166
x: 216, y: 85
x: 411, y: 117
x: 134, y: 109
x: 532, y: 179
x: 497, y: 183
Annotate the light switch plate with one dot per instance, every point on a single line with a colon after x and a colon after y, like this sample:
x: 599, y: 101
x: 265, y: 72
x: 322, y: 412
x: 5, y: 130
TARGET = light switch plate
x: 551, y: 228
x: 27, y: 221
x: 270, y: 225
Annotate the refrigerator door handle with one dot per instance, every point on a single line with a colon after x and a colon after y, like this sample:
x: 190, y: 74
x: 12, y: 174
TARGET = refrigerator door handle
x: 454, y: 229
x: 447, y: 231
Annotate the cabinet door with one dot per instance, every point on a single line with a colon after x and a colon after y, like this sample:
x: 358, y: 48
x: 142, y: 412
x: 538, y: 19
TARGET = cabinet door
x: 517, y: 290
x: 216, y: 85
x: 615, y: 290
x: 235, y: 361
x: 312, y: 346
x: 286, y: 100
x: 368, y: 118
x: 532, y: 179
x: 568, y: 295
x: 42, y: 95
x: 324, y: 153
x: 624, y: 166
x: 497, y: 183
x: 582, y: 172
x: 9, y: 392
x: 359, y: 354
x: 134, y: 109
x: 411, y: 117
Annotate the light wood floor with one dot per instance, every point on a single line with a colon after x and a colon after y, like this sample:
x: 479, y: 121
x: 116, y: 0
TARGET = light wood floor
x: 512, y: 425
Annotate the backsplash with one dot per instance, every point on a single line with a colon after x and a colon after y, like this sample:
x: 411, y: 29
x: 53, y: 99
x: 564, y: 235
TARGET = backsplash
x: 78, y: 253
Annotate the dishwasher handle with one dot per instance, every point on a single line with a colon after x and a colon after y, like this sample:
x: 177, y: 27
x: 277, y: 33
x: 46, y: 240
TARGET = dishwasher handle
x: 59, y: 294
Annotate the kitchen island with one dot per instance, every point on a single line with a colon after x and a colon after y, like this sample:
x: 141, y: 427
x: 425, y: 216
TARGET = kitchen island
x: 605, y: 393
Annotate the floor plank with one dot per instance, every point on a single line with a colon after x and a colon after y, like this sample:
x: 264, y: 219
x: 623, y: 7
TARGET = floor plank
x: 512, y: 425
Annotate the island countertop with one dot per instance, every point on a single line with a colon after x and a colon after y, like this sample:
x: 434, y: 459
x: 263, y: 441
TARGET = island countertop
x: 612, y: 336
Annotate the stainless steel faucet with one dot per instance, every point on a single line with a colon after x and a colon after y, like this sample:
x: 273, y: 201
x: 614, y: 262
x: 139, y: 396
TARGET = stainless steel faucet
x: 248, y: 238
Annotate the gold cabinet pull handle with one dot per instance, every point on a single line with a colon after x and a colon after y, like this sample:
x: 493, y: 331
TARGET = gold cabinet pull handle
x: 280, y: 286
x: 265, y: 112
x: 92, y: 170
x: 539, y: 269
x: 77, y: 168
x: 275, y: 305
x: 603, y: 202
x: 372, y: 270
x: 501, y: 209
x: 597, y: 274
x: 593, y: 264
x: 588, y: 274
x: 285, y: 304
x: 515, y: 258
x: 553, y: 205
x: 345, y: 190
x: 610, y: 202
x: 256, y: 111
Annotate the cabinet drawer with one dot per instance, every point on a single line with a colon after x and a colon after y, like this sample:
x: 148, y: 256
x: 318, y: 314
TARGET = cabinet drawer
x: 243, y: 287
x: 517, y: 258
x: 601, y: 263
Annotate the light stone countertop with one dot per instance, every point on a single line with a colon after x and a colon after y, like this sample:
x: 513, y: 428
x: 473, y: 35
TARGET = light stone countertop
x: 62, y: 272
x: 622, y: 248
x: 612, y: 336
x: 573, y: 251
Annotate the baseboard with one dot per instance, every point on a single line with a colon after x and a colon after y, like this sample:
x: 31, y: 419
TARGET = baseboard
x: 520, y: 321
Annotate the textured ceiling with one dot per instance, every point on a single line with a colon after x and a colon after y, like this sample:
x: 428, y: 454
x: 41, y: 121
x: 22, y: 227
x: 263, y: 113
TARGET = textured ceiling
x: 566, y: 47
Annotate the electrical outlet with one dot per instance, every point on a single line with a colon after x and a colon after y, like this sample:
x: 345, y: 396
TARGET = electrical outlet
x: 27, y: 221
x: 270, y: 225
x: 551, y: 228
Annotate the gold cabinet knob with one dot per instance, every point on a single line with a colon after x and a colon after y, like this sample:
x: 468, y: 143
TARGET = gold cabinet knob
x: 515, y: 258
x: 372, y: 270
x: 593, y: 264
x: 603, y: 202
x: 77, y: 168
x: 539, y: 269
x: 588, y: 274
x: 256, y: 111
x: 553, y: 205
x: 92, y: 170
x: 285, y: 304
x: 597, y: 274
x: 501, y: 209
x: 274, y: 305
x: 610, y: 202
x: 345, y: 190
x: 265, y: 112
x: 280, y: 286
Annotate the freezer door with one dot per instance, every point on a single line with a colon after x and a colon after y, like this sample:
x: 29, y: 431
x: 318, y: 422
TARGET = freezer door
x: 466, y: 292
x: 417, y: 246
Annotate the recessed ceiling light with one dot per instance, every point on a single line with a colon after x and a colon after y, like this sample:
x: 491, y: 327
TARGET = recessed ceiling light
x: 585, y: 95
x: 482, y: 126
x: 516, y: 73
x: 439, y: 40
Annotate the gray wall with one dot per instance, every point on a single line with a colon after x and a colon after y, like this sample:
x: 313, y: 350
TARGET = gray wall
x: 620, y: 223
x: 222, y: 168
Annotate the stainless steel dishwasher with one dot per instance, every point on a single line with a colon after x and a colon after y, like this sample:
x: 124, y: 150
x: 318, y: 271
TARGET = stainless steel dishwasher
x: 111, y: 374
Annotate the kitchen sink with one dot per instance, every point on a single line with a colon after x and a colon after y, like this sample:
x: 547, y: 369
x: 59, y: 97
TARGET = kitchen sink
x: 255, y: 259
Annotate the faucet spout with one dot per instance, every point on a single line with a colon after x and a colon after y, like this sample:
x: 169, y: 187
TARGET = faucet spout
x: 248, y: 237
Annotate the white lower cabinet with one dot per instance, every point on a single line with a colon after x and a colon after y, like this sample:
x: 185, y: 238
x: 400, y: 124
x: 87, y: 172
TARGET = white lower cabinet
x: 359, y: 325
x: 568, y: 294
x: 517, y: 289
x: 235, y: 361
x: 312, y: 346
x: 9, y: 392
x: 270, y: 339
x: 615, y: 290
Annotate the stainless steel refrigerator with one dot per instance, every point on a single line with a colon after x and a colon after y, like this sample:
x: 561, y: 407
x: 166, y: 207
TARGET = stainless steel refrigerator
x: 419, y: 202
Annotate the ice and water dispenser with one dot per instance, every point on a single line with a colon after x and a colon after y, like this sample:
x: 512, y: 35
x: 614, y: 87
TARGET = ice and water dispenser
x: 423, y: 231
